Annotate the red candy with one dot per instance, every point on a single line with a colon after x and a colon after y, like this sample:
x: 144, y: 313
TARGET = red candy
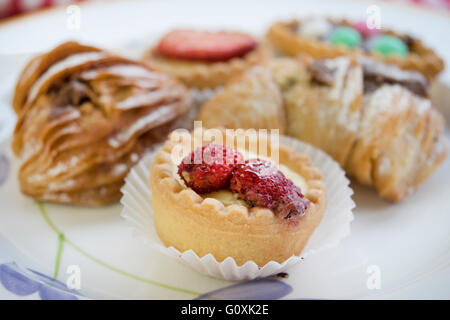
x: 261, y: 184
x: 362, y: 28
x: 209, y: 168
x: 207, y: 46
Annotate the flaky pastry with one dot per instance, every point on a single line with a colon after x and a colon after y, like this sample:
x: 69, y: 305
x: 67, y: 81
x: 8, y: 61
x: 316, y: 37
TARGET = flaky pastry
x: 375, y: 119
x: 253, y: 100
x: 85, y: 117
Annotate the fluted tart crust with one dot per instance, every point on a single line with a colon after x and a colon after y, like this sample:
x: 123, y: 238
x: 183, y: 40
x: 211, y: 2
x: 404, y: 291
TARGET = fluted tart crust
x: 206, y: 224
x: 202, y: 74
x: 284, y: 38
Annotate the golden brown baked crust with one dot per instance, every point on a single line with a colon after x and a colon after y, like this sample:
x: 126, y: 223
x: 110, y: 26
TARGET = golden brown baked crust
x: 186, y: 220
x: 254, y: 97
x: 38, y: 65
x: 202, y: 74
x: 285, y: 39
x: 85, y: 116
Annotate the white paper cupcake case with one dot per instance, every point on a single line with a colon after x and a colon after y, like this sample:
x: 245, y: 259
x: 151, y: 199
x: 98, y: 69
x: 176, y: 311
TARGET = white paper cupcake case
x: 335, y: 225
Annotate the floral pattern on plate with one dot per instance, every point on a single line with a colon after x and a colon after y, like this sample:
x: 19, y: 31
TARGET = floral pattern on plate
x: 16, y: 281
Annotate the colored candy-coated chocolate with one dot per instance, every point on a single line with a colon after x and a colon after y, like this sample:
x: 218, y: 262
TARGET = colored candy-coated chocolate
x: 388, y: 45
x: 364, y: 30
x: 346, y: 36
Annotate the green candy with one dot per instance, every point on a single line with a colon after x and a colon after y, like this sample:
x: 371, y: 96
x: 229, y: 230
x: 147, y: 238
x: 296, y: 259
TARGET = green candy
x: 346, y: 36
x: 388, y: 45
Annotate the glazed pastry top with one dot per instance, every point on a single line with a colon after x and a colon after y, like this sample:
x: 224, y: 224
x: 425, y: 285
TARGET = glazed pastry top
x: 205, y: 59
x: 223, y: 173
x: 228, y: 198
x: 205, y: 46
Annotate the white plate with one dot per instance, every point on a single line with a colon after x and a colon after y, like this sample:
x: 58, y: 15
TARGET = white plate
x: 408, y: 243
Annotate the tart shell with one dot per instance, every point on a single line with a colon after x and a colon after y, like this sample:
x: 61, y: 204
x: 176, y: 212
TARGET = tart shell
x: 186, y: 220
x: 285, y: 39
x: 203, y: 74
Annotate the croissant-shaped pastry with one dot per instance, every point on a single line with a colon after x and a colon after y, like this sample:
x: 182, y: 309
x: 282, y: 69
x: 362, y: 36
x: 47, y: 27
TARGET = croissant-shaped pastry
x: 400, y: 142
x: 85, y: 116
x: 374, y: 119
x: 250, y: 101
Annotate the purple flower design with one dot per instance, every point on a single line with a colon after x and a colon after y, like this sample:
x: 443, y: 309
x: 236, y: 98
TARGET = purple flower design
x: 53, y: 289
x: 15, y: 281
x: 4, y: 168
x: 260, y: 289
x: 48, y: 293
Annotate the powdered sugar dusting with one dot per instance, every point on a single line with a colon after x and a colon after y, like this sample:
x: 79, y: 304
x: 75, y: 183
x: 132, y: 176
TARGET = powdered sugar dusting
x: 119, y: 169
x: 384, y: 166
x: 134, y: 157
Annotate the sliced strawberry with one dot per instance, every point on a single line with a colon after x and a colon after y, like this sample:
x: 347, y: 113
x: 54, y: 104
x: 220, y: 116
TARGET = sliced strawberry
x: 209, y: 168
x: 203, y: 45
x: 261, y: 184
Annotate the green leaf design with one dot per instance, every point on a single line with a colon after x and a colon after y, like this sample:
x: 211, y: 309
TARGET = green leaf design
x: 62, y: 239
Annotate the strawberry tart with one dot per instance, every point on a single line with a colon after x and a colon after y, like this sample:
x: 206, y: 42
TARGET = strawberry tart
x: 204, y: 59
x: 232, y: 201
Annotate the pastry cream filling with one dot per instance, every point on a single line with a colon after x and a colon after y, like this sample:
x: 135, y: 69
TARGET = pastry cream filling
x: 228, y: 198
